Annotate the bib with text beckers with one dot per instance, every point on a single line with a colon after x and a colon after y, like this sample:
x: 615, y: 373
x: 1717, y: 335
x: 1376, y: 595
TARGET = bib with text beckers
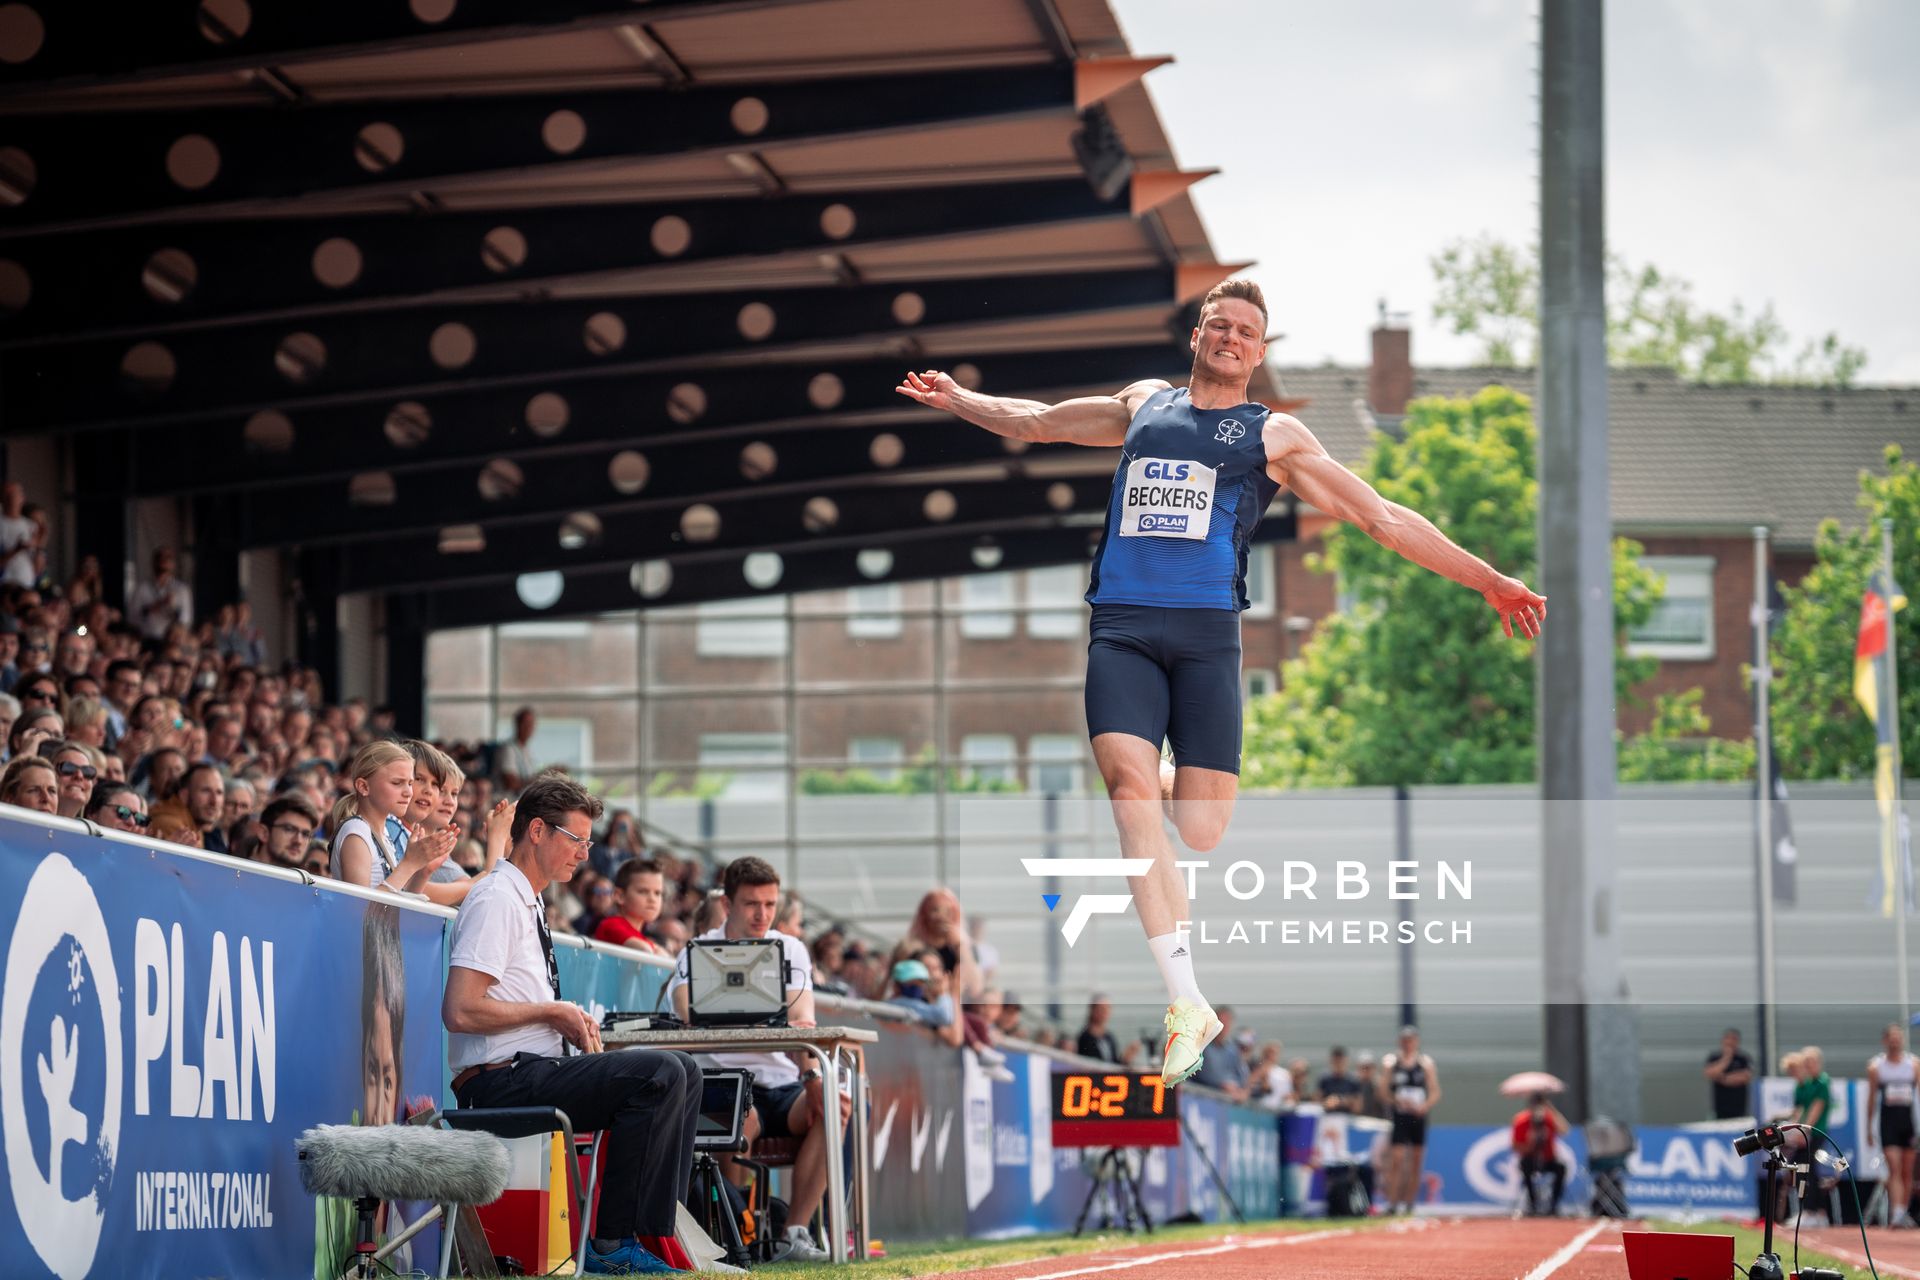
x: 1167, y: 498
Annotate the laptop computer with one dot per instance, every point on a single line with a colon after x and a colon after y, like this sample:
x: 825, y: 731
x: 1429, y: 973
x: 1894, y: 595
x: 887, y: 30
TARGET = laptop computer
x: 737, y: 983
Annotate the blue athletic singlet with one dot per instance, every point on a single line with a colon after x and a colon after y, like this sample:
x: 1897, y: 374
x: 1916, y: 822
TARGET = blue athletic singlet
x: 1191, y: 486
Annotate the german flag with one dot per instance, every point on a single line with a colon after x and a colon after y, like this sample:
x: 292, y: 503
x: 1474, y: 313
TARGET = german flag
x: 1875, y: 693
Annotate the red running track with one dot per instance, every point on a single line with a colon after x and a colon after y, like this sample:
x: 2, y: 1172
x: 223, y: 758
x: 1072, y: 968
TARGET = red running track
x: 1896, y: 1254
x: 1416, y: 1249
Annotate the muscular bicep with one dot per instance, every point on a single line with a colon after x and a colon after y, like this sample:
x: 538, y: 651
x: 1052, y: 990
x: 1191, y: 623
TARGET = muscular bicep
x: 1298, y: 461
x: 1096, y: 421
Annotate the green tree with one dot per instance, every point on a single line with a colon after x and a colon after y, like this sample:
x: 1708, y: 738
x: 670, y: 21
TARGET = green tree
x: 1818, y: 729
x: 1678, y: 746
x: 1490, y: 290
x: 1415, y: 682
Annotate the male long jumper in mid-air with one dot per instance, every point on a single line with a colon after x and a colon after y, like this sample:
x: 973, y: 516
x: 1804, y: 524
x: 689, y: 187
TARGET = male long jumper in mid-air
x: 1198, y: 467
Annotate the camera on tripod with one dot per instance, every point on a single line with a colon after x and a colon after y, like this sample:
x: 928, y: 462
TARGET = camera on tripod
x: 1768, y: 1137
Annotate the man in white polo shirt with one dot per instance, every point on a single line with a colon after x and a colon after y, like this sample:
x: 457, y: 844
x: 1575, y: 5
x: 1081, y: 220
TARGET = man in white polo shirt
x: 510, y: 1033
x: 787, y: 1099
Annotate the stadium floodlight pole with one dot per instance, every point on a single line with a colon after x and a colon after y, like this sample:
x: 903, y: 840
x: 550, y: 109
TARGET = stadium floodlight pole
x: 1590, y: 1031
x: 1763, y: 789
x: 1894, y: 855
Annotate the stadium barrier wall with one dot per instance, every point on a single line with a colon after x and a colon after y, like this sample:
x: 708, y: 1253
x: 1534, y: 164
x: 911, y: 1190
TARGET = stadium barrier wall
x: 171, y: 1021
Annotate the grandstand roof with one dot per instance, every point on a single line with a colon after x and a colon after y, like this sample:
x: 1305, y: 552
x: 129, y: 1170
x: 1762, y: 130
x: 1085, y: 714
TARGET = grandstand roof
x: 449, y: 305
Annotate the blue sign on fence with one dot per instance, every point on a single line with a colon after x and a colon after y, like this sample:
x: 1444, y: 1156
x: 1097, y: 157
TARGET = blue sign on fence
x: 1672, y: 1171
x: 168, y: 1027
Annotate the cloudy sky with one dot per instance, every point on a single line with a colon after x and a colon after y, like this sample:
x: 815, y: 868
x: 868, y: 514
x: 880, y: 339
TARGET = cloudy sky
x: 1766, y: 150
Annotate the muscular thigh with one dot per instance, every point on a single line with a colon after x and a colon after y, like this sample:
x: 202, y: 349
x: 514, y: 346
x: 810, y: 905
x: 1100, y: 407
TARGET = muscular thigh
x: 1203, y: 680
x: 1127, y: 687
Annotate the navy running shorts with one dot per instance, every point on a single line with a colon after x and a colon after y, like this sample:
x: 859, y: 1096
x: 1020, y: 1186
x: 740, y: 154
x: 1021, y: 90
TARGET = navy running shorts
x: 1167, y: 675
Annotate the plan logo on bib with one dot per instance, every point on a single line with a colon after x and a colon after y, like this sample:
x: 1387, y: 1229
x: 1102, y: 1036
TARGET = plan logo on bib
x: 1230, y: 431
x: 60, y: 1010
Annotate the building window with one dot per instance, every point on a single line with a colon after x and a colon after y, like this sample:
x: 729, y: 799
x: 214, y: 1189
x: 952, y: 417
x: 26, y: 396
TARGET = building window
x: 988, y: 756
x: 1053, y: 763
x: 1259, y: 682
x: 986, y: 606
x: 1260, y: 581
x: 873, y: 612
x: 556, y: 740
x: 1055, y: 603
x: 1681, y: 624
x: 752, y: 763
x: 880, y: 757
x: 752, y: 628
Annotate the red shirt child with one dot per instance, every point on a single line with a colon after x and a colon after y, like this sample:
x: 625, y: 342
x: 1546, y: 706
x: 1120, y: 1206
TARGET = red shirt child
x: 639, y: 888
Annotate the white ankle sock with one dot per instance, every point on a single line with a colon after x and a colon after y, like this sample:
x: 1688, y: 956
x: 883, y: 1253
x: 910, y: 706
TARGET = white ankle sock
x: 1173, y: 952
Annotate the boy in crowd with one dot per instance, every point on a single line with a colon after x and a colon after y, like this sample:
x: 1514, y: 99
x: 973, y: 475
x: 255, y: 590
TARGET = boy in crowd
x: 639, y: 889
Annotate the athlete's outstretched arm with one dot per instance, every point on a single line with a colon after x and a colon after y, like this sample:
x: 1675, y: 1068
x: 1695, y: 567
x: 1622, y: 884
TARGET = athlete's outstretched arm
x: 1299, y: 461
x: 1091, y: 420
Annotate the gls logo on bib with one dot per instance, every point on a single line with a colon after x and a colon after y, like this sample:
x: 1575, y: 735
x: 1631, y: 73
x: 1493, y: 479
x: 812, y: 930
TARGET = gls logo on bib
x: 1167, y: 498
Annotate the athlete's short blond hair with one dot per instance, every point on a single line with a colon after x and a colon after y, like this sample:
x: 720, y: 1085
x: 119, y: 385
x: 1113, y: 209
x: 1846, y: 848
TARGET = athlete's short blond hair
x: 1245, y: 290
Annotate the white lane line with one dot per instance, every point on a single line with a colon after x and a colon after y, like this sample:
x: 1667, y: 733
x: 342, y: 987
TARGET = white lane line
x: 1252, y: 1242
x: 1567, y: 1252
x: 1852, y: 1258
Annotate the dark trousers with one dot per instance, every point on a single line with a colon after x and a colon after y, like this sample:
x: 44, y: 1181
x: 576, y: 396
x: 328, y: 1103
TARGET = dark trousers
x: 646, y: 1101
x: 1530, y: 1165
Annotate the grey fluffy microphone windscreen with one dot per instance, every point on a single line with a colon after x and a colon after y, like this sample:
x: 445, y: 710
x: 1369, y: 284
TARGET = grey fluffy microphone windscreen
x: 403, y: 1162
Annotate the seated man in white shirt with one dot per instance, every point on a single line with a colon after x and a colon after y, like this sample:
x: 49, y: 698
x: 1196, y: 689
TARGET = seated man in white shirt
x: 787, y: 1098
x: 510, y: 1032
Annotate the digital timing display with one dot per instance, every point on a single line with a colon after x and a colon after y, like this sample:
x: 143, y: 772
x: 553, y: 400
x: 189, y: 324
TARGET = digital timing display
x: 1128, y: 1096
x: 1114, y: 1109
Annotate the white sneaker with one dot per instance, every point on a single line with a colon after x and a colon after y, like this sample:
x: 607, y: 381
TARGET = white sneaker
x: 1000, y: 1075
x: 990, y: 1057
x: 798, y: 1246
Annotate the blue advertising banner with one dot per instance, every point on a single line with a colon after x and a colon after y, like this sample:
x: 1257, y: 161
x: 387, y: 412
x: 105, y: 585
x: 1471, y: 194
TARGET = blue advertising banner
x: 1674, y: 1171
x: 1689, y: 1171
x: 168, y: 1027
x: 605, y: 979
x: 1472, y: 1168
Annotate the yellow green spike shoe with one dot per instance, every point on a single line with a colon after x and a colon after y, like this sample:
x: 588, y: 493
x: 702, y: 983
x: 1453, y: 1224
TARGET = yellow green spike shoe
x: 1190, y: 1029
